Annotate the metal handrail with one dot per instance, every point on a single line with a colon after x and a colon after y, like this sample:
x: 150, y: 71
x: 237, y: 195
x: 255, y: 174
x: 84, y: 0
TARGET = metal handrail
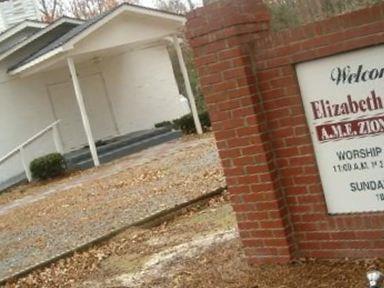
x: 20, y: 148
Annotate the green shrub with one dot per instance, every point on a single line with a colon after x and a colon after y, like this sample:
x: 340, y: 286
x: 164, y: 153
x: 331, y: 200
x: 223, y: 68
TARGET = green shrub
x: 100, y: 143
x: 163, y: 124
x: 205, y: 120
x: 48, y: 166
x: 187, y: 125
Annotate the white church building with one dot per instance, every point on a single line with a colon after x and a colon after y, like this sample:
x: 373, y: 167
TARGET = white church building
x: 13, y: 12
x: 72, y: 83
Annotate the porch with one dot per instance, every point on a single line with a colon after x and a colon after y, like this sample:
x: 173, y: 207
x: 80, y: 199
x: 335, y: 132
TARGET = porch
x: 108, y: 150
x: 120, y: 146
x: 104, y: 80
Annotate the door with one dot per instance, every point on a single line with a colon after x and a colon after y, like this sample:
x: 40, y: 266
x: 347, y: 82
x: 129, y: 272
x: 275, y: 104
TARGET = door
x: 98, y: 109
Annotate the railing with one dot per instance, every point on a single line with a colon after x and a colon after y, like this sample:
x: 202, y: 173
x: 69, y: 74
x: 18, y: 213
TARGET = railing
x: 20, y: 148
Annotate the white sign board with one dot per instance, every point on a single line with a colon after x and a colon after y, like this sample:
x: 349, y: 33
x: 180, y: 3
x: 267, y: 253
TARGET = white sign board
x: 343, y: 98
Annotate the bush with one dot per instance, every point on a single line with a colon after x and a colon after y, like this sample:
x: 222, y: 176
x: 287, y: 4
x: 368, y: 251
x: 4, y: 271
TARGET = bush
x: 163, y: 124
x: 48, y: 166
x: 205, y: 120
x: 187, y: 125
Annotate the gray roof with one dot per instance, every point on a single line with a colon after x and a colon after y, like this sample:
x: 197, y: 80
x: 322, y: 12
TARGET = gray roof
x: 49, y: 33
x: 76, y: 31
x: 15, y: 25
x: 17, y: 38
x: 57, y: 42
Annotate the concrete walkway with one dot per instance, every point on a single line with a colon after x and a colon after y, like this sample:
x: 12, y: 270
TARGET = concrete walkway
x: 69, y: 214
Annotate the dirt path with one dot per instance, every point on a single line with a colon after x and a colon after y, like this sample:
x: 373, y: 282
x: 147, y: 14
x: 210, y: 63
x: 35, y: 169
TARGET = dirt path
x: 96, y: 203
x: 199, y: 249
x: 141, y: 257
x: 160, y: 254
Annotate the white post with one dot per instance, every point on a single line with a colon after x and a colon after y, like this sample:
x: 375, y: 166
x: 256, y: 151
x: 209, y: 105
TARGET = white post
x: 187, y: 83
x: 57, y: 140
x: 24, y: 163
x: 83, y: 111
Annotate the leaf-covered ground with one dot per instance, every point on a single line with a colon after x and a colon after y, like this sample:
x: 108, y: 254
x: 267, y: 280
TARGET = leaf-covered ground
x: 89, y: 205
x: 199, y: 249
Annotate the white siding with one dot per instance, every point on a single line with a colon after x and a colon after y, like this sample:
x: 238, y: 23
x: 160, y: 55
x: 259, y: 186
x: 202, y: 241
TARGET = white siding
x: 143, y: 89
x: 16, y: 11
x: 24, y: 111
x: 98, y: 109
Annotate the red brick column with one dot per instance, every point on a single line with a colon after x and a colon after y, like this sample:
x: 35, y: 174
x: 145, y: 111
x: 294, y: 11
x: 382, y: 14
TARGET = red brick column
x: 219, y: 35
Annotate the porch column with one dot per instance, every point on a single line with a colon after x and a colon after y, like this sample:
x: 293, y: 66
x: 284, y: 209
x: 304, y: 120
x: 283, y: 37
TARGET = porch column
x: 83, y: 111
x: 187, y: 83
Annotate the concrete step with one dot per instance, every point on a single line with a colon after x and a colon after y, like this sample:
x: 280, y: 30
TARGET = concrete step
x: 125, y: 148
x: 20, y: 178
x: 113, y: 144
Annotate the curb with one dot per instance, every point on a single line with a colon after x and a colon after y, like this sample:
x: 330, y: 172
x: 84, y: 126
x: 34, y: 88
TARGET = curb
x: 113, y: 233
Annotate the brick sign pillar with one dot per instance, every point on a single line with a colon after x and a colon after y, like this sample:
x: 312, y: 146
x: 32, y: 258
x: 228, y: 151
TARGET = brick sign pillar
x: 219, y: 35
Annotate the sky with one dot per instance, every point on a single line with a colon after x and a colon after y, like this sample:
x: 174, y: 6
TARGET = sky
x: 148, y: 3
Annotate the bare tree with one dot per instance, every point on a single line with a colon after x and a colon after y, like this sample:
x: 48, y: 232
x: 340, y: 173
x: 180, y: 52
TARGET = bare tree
x: 89, y: 8
x: 175, y: 6
x: 51, y: 9
x: 207, y: 2
x: 86, y: 9
x: 191, y: 5
x: 288, y: 13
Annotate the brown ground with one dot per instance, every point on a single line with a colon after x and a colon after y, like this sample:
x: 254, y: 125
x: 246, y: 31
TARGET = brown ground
x: 30, y: 189
x: 63, y: 216
x: 127, y: 260
x: 26, y: 189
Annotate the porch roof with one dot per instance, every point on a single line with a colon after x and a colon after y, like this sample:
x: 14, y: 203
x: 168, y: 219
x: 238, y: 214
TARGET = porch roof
x: 67, y: 41
x: 20, y: 26
x: 56, y: 29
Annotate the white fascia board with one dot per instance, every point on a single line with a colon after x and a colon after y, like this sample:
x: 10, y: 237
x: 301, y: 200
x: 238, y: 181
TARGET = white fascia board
x: 156, y: 13
x: 39, y: 34
x: 37, y: 61
x: 27, y: 23
x: 124, y: 8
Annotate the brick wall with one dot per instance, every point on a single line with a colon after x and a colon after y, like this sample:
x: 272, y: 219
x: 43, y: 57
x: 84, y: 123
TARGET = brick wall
x: 249, y: 82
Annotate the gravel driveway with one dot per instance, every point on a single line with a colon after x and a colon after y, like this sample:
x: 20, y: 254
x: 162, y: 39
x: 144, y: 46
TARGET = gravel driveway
x: 101, y: 200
